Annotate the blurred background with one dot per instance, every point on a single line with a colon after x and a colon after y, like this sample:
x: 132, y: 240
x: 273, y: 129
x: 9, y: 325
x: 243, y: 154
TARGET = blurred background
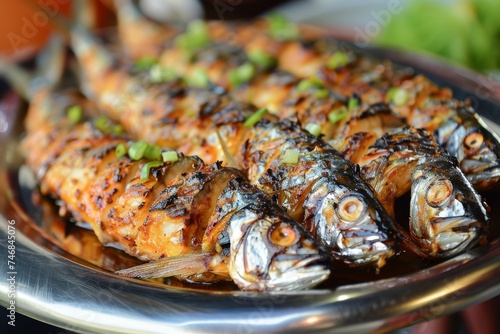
x: 465, y: 32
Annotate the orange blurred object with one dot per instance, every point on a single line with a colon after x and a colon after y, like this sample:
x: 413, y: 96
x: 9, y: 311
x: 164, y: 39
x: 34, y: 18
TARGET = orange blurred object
x: 25, y: 25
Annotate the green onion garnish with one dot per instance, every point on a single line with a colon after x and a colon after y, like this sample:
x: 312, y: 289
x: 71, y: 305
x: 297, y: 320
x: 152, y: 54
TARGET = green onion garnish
x: 353, y: 103
x: 338, y: 114
x: 152, y: 152
x: 262, y: 59
x: 305, y: 85
x: 170, y: 156
x: 399, y: 96
x: 145, y: 171
x: 338, y: 59
x: 137, y: 150
x: 145, y: 62
x: 75, y: 114
x: 117, y: 129
x: 195, y: 38
x: 281, y: 28
x: 255, y: 117
x: 321, y: 93
x: 290, y: 157
x: 159, y: 74
x: 199, y: 79
x: 313, y: 128
x: 120, y: 150
x: 242, y: 74
x: 102, y: 124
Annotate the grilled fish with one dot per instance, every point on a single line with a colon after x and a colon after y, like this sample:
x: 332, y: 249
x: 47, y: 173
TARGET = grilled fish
x: 198, y: 218
x: 347, y: 72
x: 447, y: 216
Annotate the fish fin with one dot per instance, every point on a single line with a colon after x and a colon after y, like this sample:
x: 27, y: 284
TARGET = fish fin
x: 17, y: 76
x: 84, y: 13
x: 180, y: 265
x: 50, y: 62
x: 230, y: 159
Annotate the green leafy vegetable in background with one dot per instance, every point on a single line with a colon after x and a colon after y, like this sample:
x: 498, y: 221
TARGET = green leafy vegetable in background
x: 466, y: 32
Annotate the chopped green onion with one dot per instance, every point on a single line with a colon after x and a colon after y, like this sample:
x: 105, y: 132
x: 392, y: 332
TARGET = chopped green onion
x: 75, y: 114
x: 159, y: 74
x: 281, y: 28
x: 146, y: 169
x: 195, y: 38
x: 170, y: 156
x: 262, y: 59
x: 399, y: 96
x: 255, y: 117
x: 102, y: 124
x: 321, y: 93
x: 242, y: 74
x: 305, y: 85
x: 310, y: 83
x: 338, y: 59
x: 145, y: 62
x: 353, y: 103
x: 199, y: 79
x: 137, y: 150
x: 313, y: 128
x: 338, y: 114
x: 120, y: 150
x: 152, y: 152
x: 290, y: 157
x: 117, y: 129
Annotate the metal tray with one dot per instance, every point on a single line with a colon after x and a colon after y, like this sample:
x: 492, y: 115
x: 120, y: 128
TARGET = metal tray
x: 67, y: 291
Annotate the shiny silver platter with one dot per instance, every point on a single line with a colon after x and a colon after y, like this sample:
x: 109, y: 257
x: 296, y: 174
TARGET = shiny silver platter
x: 55, y: 286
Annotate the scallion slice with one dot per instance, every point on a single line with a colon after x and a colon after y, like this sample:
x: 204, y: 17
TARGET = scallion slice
x: 255, y: 117
x: 152, y: 152
x: 338, y: 59
x: 313, y: 128
x: 353, y: 103
x: 159, y: 74
x: 120, y: 150
x: 145, y: 62
x: 137, y: 150
x: 290, y: 157
x: 262, y: 59
x: 338, y: 114
x: 199, y: 79
x: 398, y: 96
x: 195, y: 38
x: 170, y: 156
x: 242, y: 74
x: 75, y: 114
x: 281, y: 28
x: 146, y: 169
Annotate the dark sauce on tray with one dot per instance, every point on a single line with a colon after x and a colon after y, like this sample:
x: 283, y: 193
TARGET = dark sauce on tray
x: 61, y: 235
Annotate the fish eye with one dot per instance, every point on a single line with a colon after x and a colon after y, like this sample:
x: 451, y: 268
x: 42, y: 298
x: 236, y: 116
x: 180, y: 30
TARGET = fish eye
x: 283, y: 235
x: 438, y: 192
x: 350, y: 208
x: 473, y: 140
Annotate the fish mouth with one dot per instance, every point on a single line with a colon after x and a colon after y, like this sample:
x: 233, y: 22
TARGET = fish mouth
x: 483, y: 175
x: 455, y: 234
x: 308, y: 272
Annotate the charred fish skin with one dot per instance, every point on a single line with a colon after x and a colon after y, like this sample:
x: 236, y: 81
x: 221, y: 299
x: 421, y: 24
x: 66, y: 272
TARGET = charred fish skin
x: 160, y: 218
x: 447, y: 217
x: 267, y: 247
x: 320, y: 188
x: 465, y: 136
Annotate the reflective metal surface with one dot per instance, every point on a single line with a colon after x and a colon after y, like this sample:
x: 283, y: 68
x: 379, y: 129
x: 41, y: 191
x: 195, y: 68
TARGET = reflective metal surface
x: 57, y: 287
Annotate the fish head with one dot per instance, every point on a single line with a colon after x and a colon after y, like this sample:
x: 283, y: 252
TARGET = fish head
x: 352, y: 223
x: 477, y: 148
x: 446, y: 214
x: 270, y: 251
